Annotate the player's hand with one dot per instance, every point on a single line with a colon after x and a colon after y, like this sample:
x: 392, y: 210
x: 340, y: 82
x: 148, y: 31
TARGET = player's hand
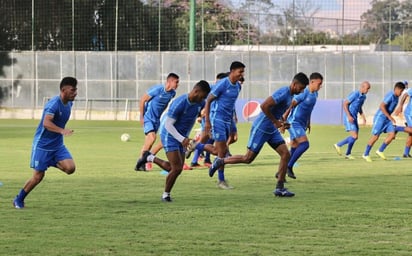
x: 351, y: 119
x: 66, y: 132
x: 186, y: 142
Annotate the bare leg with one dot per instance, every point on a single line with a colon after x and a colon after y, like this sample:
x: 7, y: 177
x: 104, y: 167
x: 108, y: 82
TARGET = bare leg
x: 176, y: 163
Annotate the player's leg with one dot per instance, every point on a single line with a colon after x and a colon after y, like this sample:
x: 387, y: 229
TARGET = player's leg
x: 377, y: 129
x: 300, y: 143
x: 64, y: 160
x: 351, y: 141
x: 176, y: 160
x: 150, y: 139
x: 284, y: 154
x: 408, y: 129
x: 389, y: 138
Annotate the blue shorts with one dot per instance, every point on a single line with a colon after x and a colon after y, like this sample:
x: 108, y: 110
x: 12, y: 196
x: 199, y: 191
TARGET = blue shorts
x: 150, y: 126
x: 42, y: 159
x: 296, y: 131
x: 258, y: 138
x: 408, y: 119
x: 351, y: 126
x: 220, y: 130
x: 382, y: 126
x: 170, y: 143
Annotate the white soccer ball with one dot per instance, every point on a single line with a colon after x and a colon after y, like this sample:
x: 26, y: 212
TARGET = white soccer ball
x: 125, y: 137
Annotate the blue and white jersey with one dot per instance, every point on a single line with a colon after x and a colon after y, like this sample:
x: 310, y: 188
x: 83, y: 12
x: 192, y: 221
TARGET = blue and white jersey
x: 391, y: 101
x: 283, y: 98
x: 226, y: 93
x: 45, y: 139
x: 356, y: 100
x: 159, y: 99
x: 301, y: 113
x: 185, y: 113
x: 408, y: 109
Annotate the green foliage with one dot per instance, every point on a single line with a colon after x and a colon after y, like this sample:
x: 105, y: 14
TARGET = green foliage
x: 341, y: 207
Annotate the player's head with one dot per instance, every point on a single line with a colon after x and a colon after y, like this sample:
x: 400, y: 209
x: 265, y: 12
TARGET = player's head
x: 199, y: 91
x: 237, y: 69
x: 221, y: 76
x: 68, y: 88
x: 364, y: 87
x: 398, y: 89
x: 316, y: 80
x: 172, y: 81
x: 299, y: 82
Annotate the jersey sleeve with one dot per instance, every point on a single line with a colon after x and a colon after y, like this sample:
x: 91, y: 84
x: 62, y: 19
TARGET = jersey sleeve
x: 51, y: 108
x: 155, y: 90
x: 218, y: 88
x: 176, y: 108
x: 351, y: 97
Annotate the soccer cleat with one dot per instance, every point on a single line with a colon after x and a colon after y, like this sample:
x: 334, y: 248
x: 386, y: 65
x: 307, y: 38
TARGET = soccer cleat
x: 141, y: 163
x: 380, y: 154
x: 207, y: 163
x: 407, y: 156
x: 191, y: 148
x: 283, y: 192
x: 167, y: 199
x: 367, y: 158
x: 18, y: 204
x: 224, y: 185
x: 290, y: 173
x: 195, y: 165
x: 337, y: 148
x: 217, y: 163
x: 349, y: 157
x: 187, y: 167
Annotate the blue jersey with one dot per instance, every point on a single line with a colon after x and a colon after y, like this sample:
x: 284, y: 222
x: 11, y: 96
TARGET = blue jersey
x: 226, y: 94
x: 408, y: 109
x: 356, y: 100
x: 283, y: 98
x: 158, y: 102
x: 301, y: 113
x: 45, y: 139
x: 185, y: 113
x: 391, y: 101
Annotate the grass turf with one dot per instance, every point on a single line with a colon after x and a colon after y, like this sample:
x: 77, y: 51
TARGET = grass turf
x: 342, y: 207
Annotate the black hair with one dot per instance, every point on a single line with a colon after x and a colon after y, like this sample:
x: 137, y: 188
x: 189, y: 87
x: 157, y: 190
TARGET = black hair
x: 316, y: 75
x: 68, y: 80
x: 400, y: 85
x: 172, y: 75
x: 301, y: 78
x: 221, y: 75
x: 203, y: 85
x: 236, y: 65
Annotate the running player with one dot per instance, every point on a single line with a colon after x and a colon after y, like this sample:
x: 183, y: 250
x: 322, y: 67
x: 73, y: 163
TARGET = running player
x: 298, y: 116
x: 408, y: 117
x: 152, y: 104
x: 265, y: 130
x: 352, y: 107
x: 179, y: 121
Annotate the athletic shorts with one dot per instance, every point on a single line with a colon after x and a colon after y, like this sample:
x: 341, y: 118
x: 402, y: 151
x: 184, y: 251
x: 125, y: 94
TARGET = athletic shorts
x: 382, y: 126
x: 408, y: 119
x: 351, y: 126
x: 150, y: 126
x: 42, y: 159
x: 220, y: 130
x: 170, y: 143
x: 258, y: 138
x: 296, y: 131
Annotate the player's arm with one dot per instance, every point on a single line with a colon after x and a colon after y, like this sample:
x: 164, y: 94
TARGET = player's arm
x: 145, y: 98
x: 50, y: 126
x: 382, y: 107
x: 170, y: 128
x: 265, y: 107
x: 209, y: 101
x: 362, y: 114
x: 346, y: 109
x: 399, y: 108
x: 287, y: 112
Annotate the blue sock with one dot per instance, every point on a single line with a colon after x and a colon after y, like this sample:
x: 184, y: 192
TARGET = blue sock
x: 406, y: 151
x: 292, y: 151
x: 382, y: 147
x: 302, y: 147
x: 221, y: 175
x: 195, y: 156
x: 344, y: 141
x: 351, y: 142
x: 207, y: 157
x: 367, y: 150
x: 200, y: 147
x: 22, y: 195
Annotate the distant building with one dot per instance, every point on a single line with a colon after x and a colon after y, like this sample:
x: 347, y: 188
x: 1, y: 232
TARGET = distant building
x: 309, y: 48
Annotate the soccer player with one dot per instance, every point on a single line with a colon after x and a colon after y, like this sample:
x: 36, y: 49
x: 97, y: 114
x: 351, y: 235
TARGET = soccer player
x: 265, y: 130
x: 383, y: 122
x: 219, y: 113
x: 152, y: 104
x: 352, y: 107
x: 408, y: 117
x: 298, y: 116
x: 48, y: 148
x: 180, y: 119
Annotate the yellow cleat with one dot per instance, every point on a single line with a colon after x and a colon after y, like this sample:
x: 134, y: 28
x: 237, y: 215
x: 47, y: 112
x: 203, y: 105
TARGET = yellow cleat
x: 337, y: 148
x: 349, y: 157
x: 367, y: 158
x: 380, y: 154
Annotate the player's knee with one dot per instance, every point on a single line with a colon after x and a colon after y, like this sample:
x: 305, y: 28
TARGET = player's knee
x: 70, y: 170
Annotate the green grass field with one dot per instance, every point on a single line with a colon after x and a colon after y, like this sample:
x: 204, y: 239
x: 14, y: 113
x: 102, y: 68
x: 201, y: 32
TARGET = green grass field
x: 341, y: 207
